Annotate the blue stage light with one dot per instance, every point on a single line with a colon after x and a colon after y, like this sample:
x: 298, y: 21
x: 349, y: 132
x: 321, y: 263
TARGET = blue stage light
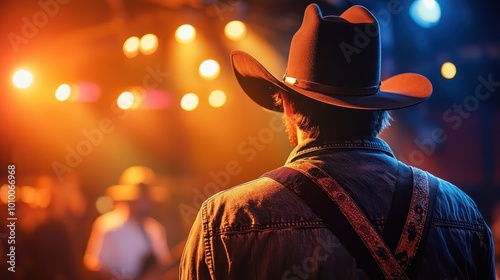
x: 425, y: 13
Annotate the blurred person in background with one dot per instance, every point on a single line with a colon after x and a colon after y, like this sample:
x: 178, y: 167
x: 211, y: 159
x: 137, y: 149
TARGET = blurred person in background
x: 127, y: 243
x: 44, y: 242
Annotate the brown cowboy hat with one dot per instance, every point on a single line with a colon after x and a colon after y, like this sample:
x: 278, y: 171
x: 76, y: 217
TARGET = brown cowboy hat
x: 134, y: 181
x: 335, y: 60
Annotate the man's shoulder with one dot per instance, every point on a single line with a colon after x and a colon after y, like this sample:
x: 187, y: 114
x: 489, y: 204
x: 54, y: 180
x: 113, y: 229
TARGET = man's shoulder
x: 453, y: 203
x: 259, y: 190
x: 259, y: 202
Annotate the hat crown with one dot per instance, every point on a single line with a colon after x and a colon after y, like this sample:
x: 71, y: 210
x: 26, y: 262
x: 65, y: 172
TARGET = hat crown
x: 136, y: 175
x: 340, y: 51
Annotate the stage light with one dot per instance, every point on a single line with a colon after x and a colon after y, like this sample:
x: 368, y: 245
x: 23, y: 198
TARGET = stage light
x: 86, y: 91
x: 425, y: 13
x: 29, y: 195
x: 126, y: 100
x: 235, y: 30
x: 63, y: 92
x: 217, y: 98
x: 185, y: 34
x: 209, y: 69
x: 156, y: 99
x: 22, y: 79
x: 148, y: 44
x: 131, y: 47
x: 190, y: 101
x: 4, y: 194
x: 448, y: 70
x: 43, y: 198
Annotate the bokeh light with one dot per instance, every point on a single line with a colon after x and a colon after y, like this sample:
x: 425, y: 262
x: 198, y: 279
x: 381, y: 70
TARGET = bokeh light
x: 448, y: 70
x: 126, y: 100
x: 86, y: 92
x: 22, y: 79
x: 104, y: 204
x: 190, y: 101
x: 63, y: 92
x: 425, y: 13
x: 131, y: 47
x: 29, y: 195
x: 217, y: 98
x: 209, y: 69
x: 4, y: 194
x: 185, y: 34
x: 235, y: 30
x: 148, y: 44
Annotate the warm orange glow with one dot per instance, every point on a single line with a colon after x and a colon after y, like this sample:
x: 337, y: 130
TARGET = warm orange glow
x: 22, y: 79
x: 209, y: 69
x: 130, y: 99
x: 217, y: 98
x: 131, y: 47
x: 149, y: 44
x: 185, y: 34
x: 86, y: 92
x: 63, y: 92
x: 43, y: 198
x: 29, y: 195
x: 235, y: 30
x: 4, y: 193
x: 190, y: 101
x: 126, y: 100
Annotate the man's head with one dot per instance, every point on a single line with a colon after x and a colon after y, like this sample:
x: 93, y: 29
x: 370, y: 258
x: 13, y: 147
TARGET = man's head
x: 137, y: 188
x: 141, y: 206
x: 319, y: 121
x: 333, y: 77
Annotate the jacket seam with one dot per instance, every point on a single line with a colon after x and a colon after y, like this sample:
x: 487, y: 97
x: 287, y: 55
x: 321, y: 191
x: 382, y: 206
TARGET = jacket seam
x: 229, y: 230
x: 458, y: 224
x: 206, y: 242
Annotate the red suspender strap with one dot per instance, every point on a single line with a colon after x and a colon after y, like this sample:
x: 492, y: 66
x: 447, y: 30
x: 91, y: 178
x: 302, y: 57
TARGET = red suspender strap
x: 341, y: 214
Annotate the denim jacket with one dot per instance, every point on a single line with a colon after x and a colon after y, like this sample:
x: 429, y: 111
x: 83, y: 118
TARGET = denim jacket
x: 262, y: 230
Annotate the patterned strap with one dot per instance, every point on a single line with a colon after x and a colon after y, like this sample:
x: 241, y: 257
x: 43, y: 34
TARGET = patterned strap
x: 411, y: 236
x: 365, y: 230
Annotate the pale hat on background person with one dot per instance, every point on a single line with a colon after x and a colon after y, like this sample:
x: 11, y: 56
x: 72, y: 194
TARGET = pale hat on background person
x: 335, y: 60
x: 131, y: 185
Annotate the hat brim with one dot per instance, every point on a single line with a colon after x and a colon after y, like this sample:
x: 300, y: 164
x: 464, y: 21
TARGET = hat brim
x: 131, y: 192
x: 399, y: 91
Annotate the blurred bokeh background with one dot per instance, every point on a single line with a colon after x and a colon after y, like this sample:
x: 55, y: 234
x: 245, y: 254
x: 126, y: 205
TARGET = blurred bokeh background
x: 91, y: 87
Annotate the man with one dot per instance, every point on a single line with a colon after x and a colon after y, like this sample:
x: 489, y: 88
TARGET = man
x: 330, y: 213
x: 127, y: 243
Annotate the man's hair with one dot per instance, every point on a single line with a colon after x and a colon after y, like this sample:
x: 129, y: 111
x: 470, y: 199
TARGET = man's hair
x: 319, y: 120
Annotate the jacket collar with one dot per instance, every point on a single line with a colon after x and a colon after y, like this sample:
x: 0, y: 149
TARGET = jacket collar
x: 310, y: 146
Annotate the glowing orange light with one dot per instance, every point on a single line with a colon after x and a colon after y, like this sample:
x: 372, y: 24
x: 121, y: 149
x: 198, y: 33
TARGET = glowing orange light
x: 22, y: 79
x: 131, y: 47
x: 190, y: 101
x: 209, y: 69
x: 235, y: 30
x: 185, y: 34
x: 63, y: 92
x: 130, y: 99
x: 149, y: 44
x: 217, y: 98
x: 448, y: 70
x: 126, y: 100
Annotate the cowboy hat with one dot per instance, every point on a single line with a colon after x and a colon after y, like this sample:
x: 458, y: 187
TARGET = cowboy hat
x: 334, y: 60
x: 134, y: 182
